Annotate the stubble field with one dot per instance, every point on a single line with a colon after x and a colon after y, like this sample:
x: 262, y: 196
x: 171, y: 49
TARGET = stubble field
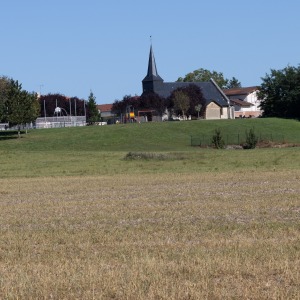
x: 208, y: 235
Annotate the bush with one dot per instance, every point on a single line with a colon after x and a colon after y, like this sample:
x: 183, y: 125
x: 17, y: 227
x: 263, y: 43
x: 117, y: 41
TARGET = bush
x: 217, y: 140
x: 153, y: 156
x: 251, y: 139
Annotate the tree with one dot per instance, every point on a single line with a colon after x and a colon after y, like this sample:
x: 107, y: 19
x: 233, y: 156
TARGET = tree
x: 198, y: 109
x: 151, y: 100
x: 195, y: 96
x: 4, y: 87
x: 121, y: 106
x: 280, y: 93
x: 70, y: 106
x: 233, y: 83
x: 202, y: 75
x: 23, y: 107
x: 205, y: 75
x: 181, y: 101
x: 93, y: 114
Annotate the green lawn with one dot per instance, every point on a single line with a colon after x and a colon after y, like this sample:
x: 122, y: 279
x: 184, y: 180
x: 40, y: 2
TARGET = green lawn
x: 100, y: 150
x: 167, y: 136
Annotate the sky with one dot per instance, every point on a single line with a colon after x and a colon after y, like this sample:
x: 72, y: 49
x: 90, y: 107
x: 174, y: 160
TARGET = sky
x: 72, y: 47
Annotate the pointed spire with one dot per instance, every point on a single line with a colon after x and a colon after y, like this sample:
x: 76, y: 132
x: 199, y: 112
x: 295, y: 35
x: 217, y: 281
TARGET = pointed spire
x: 152, y: 70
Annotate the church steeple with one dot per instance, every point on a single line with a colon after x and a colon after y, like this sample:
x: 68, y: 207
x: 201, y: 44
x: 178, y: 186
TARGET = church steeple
x: 152, y: 79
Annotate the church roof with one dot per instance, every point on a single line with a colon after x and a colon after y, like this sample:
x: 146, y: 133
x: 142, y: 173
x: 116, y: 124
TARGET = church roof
x: 152, y: 74
x: 209, y: 90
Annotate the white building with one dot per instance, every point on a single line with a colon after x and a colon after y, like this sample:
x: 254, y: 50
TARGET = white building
x: 245, y: 101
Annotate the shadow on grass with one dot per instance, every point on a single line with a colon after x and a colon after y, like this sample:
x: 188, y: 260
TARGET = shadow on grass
x: 9, y: 134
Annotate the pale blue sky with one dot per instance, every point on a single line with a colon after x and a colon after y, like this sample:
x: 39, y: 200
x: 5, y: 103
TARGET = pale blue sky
x: 72, y: 47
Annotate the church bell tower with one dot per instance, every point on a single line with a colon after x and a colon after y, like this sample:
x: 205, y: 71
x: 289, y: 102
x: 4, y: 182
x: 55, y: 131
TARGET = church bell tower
x: 152, y: 82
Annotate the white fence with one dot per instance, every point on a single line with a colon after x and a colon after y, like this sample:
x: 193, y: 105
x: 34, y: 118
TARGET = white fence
x: 59, y: 122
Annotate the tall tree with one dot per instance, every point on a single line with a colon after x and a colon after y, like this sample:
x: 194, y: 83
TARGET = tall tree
x: 280, y: 93
x: 23, y: 107
x: 93, y: 114
x: 4, y: 87
x: 196, y: 98
x: 181, y: 102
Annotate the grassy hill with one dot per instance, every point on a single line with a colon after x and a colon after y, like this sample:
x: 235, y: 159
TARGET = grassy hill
x: 167, y: 136
x: 100, y: 150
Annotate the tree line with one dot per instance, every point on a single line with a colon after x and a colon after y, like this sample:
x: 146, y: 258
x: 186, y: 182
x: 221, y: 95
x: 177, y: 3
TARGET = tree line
x: 182, y: 101
x: 71, y: 106
x: 19, y: 107
x: 279, y: 93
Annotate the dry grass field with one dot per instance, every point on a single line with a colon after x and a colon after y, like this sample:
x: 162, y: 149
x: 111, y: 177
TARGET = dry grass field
x: 208, y: 235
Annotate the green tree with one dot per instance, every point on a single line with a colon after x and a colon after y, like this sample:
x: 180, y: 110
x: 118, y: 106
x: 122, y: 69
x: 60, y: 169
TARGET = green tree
x: 151, y: 100
x: 280, y: 93
x: 93, y: 114
x: 198, y: 109
x: 233, y: 83
x: 202, y: 75
x: 195, y: 96
x: 22, y: 107
x: 181, y: 102
x: 4, y: 87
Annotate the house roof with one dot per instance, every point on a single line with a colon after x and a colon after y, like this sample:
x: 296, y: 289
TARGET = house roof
x: 240, y: 102
x: 241, y: 91
x: 104, y: 107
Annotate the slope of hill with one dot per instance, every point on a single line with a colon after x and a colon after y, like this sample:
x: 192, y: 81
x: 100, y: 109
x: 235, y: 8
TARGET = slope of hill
x: 166, y: 136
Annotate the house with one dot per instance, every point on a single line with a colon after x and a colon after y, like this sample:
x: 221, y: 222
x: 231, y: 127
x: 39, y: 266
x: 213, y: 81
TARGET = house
x: 245, y: 101
x: 106, y: 113
x: 217, y: 104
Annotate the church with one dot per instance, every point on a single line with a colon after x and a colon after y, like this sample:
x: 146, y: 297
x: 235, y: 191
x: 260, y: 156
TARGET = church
x: 217, y: 103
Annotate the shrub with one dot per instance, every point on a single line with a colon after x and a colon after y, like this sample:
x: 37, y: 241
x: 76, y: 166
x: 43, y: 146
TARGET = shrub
x: 251, y: 139
x: 153, y: 156
x: 217, y: 140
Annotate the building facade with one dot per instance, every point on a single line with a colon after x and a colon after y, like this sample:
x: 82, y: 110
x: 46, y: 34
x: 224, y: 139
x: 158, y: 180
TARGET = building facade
x: 245, y: 101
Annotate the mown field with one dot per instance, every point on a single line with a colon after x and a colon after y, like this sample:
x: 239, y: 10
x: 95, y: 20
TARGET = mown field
x: 80, y: 218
